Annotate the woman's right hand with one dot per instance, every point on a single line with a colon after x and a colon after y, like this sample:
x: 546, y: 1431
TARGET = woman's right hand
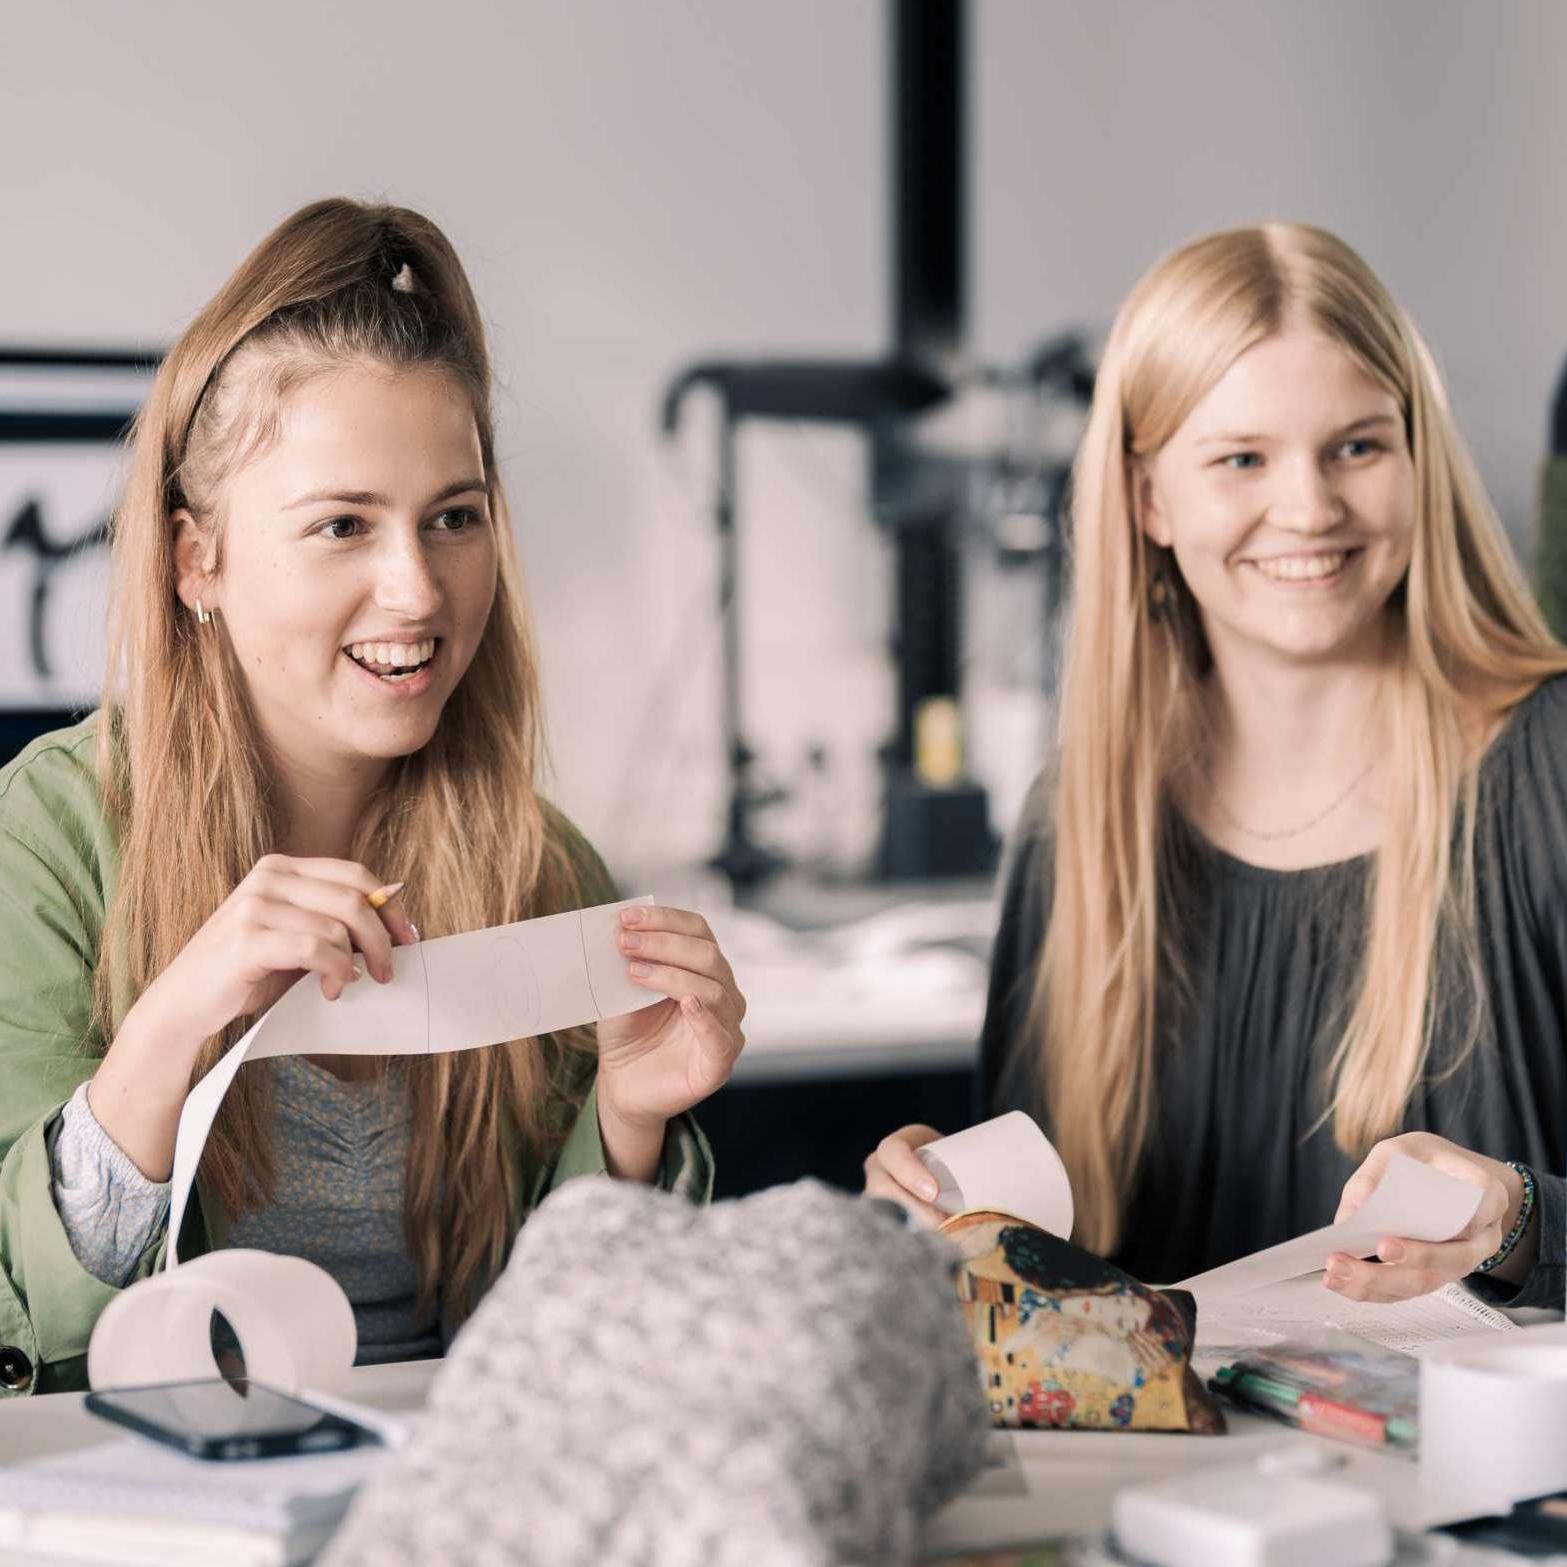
x: 286, y: 918
x: 895, y: 1171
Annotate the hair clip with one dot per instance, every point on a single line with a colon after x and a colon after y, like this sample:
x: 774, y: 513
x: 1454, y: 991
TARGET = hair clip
x: 403, y: 282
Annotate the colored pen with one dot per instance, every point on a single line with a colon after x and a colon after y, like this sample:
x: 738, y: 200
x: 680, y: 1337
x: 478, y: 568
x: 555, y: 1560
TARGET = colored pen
x: 1312, y: 1412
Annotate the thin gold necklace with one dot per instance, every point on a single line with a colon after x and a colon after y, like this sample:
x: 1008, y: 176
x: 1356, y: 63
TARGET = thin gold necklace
x: 1290, y: 832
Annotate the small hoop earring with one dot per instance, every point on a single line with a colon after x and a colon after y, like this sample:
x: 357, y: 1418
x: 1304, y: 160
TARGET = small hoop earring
x: 203, y: 616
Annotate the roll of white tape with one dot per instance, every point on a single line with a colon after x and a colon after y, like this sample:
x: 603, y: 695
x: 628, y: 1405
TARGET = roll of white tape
x: 1493, y: 1416
x: 294, y: 1324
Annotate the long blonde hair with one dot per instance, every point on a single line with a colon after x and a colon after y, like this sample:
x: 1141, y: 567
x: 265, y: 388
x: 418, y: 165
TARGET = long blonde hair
x: 185, y: 777
x: 1468, y: 643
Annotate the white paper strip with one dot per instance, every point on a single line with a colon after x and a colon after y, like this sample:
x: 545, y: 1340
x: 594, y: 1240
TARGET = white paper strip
x: 451, y: 993
x: 1007, y: 1164
x: 1412, y: 1201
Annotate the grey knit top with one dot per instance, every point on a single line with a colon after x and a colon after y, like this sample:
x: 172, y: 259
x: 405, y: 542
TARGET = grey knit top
x: 342, y: 1148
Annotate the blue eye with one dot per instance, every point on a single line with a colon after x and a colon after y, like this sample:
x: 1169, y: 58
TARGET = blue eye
x: 1364, y: 444
x: 1242, y: 462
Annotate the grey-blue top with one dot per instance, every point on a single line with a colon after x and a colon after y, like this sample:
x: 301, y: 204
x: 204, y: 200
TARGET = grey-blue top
x: 341, y: 1152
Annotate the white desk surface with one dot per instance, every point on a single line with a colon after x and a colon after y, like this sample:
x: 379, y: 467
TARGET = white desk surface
x: 1063, y: 1482
x: 1048, y: 1482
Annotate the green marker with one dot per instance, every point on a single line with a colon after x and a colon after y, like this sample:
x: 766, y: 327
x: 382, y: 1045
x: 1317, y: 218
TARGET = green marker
x: 1313, y: 1412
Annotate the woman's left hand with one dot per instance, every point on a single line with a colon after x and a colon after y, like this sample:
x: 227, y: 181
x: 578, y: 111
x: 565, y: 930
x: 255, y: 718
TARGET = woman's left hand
x: 1407, y: 1267
x: 669, y: 1056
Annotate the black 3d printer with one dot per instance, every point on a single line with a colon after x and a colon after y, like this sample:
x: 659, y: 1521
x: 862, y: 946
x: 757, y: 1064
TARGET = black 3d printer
x: 932, y: 828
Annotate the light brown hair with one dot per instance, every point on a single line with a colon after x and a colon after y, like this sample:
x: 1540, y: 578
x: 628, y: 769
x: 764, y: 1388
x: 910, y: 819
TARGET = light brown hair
x: 185, y: 775
x: 1468, y: 644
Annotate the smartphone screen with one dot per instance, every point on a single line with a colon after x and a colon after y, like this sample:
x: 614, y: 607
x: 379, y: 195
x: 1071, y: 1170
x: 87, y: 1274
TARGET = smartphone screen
x: 228, y: 1420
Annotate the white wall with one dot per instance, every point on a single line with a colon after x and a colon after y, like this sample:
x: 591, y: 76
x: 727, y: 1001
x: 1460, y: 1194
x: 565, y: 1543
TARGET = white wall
x: 630, y: 185
x: 1431, y: 134
x: 636, y: 184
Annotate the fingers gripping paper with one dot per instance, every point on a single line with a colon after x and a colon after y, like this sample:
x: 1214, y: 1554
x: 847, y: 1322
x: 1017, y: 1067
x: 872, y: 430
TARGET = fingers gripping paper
x: 1007, y: 1165
x: 451, y: 993
x: 1412, y: 1201
x: 294, y: 1324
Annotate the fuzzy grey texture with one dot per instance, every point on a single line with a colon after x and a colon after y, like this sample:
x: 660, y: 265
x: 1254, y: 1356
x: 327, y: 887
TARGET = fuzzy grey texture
x: 780, y: 1381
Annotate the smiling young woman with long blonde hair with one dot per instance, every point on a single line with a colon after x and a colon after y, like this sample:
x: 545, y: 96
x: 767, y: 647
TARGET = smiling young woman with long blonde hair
x: 322, y: 682
x: 1293, y: 892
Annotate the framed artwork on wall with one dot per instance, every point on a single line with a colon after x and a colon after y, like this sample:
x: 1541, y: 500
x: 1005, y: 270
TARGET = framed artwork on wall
x: 63, y: 418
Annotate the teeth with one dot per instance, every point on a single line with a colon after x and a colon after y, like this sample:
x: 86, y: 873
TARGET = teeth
x: 394, y: 654
x: 1302, y: 568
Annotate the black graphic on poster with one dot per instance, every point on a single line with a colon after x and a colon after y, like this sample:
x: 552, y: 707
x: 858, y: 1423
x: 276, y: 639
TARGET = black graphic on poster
x: 63, y: 417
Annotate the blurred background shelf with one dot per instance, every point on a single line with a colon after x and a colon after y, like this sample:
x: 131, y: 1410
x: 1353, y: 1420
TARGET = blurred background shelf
x: 865, y: 1009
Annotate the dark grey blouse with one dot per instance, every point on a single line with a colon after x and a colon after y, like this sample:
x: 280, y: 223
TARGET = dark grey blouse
x: 1236, y: 1160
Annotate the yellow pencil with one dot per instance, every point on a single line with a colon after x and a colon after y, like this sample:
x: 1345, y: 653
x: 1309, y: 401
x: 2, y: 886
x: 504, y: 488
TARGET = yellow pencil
x: 384, y: 895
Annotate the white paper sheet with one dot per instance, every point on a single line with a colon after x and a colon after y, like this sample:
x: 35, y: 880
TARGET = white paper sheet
x: 1412, y: 1201
x: 450, y: 993
x: 1299, y: 1308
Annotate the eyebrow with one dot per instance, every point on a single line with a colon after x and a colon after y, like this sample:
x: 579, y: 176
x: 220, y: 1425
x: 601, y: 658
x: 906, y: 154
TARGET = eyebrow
x: 1229, y: 439
x: 372, y: 498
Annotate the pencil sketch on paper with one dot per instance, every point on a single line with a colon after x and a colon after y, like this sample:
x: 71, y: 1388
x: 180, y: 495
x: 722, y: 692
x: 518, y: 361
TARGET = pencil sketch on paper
x: 516, y: 981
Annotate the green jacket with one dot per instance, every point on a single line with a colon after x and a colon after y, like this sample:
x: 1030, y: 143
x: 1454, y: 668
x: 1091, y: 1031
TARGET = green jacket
x: 58, y: 865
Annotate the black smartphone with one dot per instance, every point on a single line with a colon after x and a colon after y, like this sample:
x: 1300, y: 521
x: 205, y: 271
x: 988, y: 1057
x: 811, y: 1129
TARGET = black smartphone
x: 222, y: 1419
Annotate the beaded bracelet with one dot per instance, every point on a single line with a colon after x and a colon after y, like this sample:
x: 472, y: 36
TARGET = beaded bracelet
x: 1520, y: 1224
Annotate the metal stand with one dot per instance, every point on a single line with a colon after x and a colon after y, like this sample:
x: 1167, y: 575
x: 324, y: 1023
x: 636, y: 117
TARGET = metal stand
x: 740, y: 857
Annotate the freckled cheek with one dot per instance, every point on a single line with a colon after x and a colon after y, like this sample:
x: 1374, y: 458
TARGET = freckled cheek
x: 308, y: 614
x: 471, y: 592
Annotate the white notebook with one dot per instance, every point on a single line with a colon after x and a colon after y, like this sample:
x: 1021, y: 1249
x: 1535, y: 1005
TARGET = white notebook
x: 131, y: 1501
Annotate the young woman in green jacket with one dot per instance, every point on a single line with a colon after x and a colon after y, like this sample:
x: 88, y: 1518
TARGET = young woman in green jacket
x: 322, y: 685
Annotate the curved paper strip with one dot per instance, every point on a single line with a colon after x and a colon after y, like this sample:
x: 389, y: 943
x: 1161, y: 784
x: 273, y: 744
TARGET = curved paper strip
x: 1007, y: 1165
x: 1412, y: 1201
x: 294, y: 1324
x: 451, y: 993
